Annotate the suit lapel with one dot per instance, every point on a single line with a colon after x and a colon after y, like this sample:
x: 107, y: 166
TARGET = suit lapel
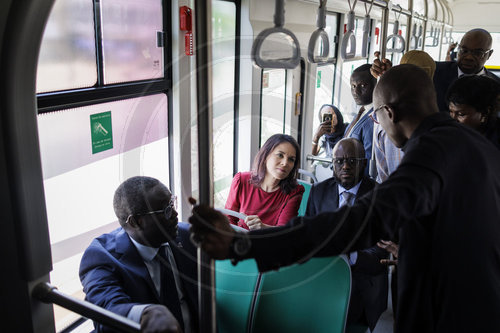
x: 361, y: 121
x: 132, y: 260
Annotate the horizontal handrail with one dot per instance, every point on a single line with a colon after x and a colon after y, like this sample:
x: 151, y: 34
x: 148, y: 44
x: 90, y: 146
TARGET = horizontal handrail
x: 47, y: 293
x: 319, y: 159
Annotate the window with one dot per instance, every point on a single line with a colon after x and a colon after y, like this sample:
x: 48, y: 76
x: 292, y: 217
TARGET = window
x: 68, y: 51
x: 93, y: 139
x: 129, y: 40
x: 273, y: 106
x: 223, y: 57
x: 323, y: 89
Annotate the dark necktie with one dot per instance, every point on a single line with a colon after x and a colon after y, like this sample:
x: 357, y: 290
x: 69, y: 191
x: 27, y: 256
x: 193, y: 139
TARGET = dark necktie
x: 168, y: 289
x: 351, y: 125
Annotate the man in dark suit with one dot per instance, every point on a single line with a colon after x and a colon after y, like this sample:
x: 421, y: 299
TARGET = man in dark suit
x: 442, y: 202
x: 369, y: 276
x: 474, y: 50
x: 145, y: 270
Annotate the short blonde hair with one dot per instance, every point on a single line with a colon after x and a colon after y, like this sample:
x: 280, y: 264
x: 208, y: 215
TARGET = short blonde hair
x: 421, y: 59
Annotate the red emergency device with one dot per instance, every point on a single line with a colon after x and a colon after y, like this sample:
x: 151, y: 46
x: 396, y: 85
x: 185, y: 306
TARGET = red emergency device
x: 186, y: 18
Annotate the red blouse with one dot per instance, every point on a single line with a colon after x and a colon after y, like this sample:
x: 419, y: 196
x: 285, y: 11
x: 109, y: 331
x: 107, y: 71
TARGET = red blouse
x: 273, y: 208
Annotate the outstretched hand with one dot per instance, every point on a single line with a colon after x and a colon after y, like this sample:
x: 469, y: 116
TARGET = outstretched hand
x: 158, y: 319
x: 392, y: 248
x: 210, y: 230
x: 379, y: 67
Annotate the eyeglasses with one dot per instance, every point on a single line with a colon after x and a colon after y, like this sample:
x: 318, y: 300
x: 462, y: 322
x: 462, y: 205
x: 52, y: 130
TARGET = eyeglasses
x: 373, y: 115
x: 478, y: 53
x: 167, y: 211
x: 353, y: 161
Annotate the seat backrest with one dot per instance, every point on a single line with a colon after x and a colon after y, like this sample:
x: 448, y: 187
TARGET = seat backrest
x: 310, y: 297
x: 305, y: 196
x: 234, y: 294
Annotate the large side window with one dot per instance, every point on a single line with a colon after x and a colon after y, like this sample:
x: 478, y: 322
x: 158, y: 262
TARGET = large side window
x: 104, y: 116
x: 273, y: 103
x: 224, y: 78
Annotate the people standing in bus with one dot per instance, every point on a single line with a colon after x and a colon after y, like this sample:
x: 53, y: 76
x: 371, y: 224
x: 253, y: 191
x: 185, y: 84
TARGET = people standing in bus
x: 330, y: 131
x: 361, y: 127
x: 369, y: 277
x: 146, y: 269
x: 447, y: 221
x: 387, y: 155
x: 473, y: 101
x: 269, y: 195
x: 473, y: 52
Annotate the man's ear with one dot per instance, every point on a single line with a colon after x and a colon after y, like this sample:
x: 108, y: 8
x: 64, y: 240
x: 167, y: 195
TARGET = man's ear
x: 132, y: 222
x: 489, y: 54
x: 392, y: 114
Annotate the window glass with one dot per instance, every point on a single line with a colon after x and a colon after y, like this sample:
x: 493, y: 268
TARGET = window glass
x: 419, y: 6
x: 67, y: 51
x: 273, y: 96
x: 81, y: 175
x: 223, y: 57
x: 331, y: 30
x: 495, y: 56
x: 323, y: 90
x: 358, y: 32
x: 129, y: 40
x: 432, y: 40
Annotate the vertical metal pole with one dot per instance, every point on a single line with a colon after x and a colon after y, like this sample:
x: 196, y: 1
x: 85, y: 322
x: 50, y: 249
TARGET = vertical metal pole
x: 384, y: 25
x: 203, y: 15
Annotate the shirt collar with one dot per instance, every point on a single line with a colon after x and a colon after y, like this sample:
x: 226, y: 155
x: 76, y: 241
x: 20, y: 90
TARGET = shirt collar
x: 367, y: 107
x: 460, y: 73
x: 353, y: 190
x: 147, y: 253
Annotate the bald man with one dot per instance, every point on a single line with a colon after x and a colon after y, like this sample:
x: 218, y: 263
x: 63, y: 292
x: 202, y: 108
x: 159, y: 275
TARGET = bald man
x: 442, y: 202
x: 369, y: 277
x: 473, y: 52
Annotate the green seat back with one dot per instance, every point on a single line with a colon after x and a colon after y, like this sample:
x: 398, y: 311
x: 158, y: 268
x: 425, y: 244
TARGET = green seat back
x: 311, y: 297
x: 234, y: 294
x: 305, y: 196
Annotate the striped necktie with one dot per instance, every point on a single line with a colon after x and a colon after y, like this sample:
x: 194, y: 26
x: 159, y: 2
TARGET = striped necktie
x: 351, y: 125
x: 348, y: 198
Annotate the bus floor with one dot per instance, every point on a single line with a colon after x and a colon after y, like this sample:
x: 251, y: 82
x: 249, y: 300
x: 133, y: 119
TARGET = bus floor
x: 385, y: 323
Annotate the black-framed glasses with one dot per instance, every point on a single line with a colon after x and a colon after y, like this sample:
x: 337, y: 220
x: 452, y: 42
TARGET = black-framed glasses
x: 478, y: 53
x: 373, y: 115
x: 167, y: 211
x: 353, y: 161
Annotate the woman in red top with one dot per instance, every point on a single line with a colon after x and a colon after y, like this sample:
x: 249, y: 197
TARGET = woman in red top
x: 269, y: 195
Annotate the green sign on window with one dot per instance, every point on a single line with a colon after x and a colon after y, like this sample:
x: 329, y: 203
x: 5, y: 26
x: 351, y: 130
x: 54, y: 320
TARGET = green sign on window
x: 318, y: 80
x: 101, y: 132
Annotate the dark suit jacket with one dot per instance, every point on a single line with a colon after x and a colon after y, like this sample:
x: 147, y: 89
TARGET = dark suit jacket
x: 446, y: 73
x: 115, y: 277
x: 369, y: 278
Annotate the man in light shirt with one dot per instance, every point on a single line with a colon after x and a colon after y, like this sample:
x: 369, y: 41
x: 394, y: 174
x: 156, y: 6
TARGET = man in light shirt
x: 146, y: 269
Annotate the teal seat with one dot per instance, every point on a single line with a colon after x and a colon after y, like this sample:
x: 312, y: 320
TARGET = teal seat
x: 234, y: 294
x: 305, y: 196
x: 311, y: 297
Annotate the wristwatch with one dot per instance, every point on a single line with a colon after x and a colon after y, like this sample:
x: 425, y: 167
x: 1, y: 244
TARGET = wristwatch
x: 241, y: 244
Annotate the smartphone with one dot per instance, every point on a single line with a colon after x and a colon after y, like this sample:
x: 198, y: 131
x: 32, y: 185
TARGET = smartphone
x: 327, y: 117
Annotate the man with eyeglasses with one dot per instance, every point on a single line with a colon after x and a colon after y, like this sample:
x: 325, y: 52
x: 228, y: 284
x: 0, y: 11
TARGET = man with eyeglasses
x: 442, y: 202
x: 146, y: 269
x: 369, y: 277
x: 473, y: 52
